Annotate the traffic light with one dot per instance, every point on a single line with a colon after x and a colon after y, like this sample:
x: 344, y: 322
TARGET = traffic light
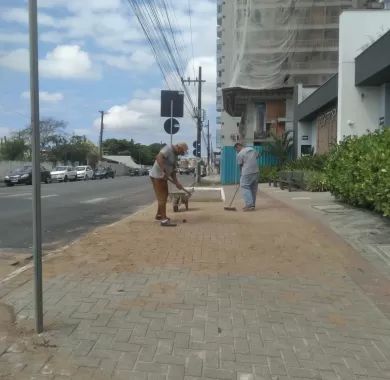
x: 196, y: 151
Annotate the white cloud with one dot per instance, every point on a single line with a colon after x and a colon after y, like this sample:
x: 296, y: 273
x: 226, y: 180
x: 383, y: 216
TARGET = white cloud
x: 20, y: 15
x: 82, y: 131
x: 140, y: 119
x: 64, y: 62
x: 137, y: 114
x: 17, y: 60
x: 4, y: 131
x: 139, y: 60
x: 77, y: 5
x: 13, y: 38
x: 68, y: 61
x: 45, y: 97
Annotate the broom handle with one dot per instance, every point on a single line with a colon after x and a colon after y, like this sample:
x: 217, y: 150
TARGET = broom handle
x: 171, y: 180
x: 234, y: 196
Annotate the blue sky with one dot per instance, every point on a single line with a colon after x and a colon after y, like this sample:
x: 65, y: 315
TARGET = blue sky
x: 93, y: 55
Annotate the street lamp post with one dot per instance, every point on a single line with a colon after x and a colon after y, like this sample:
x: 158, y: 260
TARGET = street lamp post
x: 36, y: 166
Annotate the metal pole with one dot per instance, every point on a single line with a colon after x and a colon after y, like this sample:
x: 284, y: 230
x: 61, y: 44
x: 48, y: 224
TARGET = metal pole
x: 171, y: 120
x: 36, y: 170
x: 199, y: 129
x: 208, y: 145
x: 101, y: 135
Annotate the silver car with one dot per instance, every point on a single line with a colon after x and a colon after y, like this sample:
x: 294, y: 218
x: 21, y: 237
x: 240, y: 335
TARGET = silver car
x: 63, y: 174
x: 84, y: 172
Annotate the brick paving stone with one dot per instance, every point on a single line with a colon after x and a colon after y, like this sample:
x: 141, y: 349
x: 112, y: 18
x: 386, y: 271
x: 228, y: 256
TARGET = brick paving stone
x: 205, y: 310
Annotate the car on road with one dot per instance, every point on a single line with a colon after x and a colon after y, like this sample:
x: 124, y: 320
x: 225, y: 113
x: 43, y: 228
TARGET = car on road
x: 63, y: 174
x: 23, y: 175
x: 84, y: 172
x: 101, y: 173
x: 134, y: 172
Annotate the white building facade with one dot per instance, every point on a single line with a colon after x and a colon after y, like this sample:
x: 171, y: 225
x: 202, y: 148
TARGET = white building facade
x: 357, y: 100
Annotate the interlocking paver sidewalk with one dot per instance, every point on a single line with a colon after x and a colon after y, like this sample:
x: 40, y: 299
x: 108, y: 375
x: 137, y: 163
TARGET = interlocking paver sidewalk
x: 228, y: 295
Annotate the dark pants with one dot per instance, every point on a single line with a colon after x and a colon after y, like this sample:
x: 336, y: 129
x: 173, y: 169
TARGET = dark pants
x: 160, y: 187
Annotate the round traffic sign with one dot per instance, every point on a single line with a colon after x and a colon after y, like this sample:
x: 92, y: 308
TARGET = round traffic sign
x: 175, y: 126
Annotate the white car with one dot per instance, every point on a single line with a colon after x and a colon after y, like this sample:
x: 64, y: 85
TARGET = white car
x: 84, y: 172
x: 63, y: 174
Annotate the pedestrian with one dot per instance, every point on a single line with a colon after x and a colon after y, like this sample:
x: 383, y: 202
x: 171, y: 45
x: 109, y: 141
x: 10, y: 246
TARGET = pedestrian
x: 164, y: 168
x: 249, y: 180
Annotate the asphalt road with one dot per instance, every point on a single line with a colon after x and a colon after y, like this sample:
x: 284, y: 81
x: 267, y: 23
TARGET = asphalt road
x: 69, y: 209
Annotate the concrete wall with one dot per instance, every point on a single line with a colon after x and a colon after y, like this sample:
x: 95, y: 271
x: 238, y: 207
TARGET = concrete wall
x: 359, y: 108
x: 119, y: 169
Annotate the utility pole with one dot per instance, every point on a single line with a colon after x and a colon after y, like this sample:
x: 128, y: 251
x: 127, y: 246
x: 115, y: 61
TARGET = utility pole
x: 36, y: 166
x: 101, y: 135
x: 199, y: 81
x: 208, y: 146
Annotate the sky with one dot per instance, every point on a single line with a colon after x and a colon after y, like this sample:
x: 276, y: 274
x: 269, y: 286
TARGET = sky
x: 94, y: 56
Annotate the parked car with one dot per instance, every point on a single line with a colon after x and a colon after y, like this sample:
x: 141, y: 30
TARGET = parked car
x: 23, y: 175
x: 134, y: 172
x: 84, y: 172
x: 63, y: 174
x: 101, y: 173
x: 144, y: 171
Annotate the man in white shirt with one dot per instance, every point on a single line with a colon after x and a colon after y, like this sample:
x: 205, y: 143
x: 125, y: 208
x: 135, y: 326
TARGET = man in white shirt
x: 249, y: 180
x: 164, y: 168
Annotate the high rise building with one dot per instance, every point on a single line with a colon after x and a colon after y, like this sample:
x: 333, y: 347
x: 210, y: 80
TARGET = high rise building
x: 264, y: 49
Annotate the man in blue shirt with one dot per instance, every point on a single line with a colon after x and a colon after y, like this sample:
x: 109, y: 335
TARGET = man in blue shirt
x: 249, y: 181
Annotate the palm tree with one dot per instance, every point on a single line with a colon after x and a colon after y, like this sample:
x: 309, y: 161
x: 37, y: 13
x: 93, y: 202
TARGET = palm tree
x: 281, y: 147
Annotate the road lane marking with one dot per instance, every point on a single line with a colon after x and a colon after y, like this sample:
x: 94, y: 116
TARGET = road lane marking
x: 44, y: 196
x: 94, y: 200
x: 15, y: 195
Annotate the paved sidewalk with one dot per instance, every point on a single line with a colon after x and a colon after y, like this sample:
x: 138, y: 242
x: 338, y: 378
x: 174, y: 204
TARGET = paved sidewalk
x: 271, y: 294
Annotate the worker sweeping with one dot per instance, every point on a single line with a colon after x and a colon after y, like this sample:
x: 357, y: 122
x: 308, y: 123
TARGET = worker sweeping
x: 249, y: 180
x: 162, y: 171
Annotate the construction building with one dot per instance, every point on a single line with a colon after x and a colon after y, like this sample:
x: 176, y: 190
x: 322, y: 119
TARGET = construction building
x: 265, y: 48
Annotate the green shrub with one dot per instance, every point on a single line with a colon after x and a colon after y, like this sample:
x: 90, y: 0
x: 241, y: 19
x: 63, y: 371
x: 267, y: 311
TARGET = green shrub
x: 358, y: 171
x: 267, y: 173
x: 315, y: 181
x: 315, y: 163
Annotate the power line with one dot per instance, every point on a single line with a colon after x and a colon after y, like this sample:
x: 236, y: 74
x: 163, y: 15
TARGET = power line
x: 192, y: 44
x: 154, y: 19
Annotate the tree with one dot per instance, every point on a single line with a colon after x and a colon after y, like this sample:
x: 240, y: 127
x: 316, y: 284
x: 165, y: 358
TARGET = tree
x: 142, y: 154
x: 52, y: 133
x: 14, y: 149
x: 281, y: 147
x: 75, y: 149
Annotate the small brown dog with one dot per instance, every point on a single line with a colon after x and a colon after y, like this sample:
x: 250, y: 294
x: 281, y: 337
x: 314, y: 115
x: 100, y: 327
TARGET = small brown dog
x: 178, y: 199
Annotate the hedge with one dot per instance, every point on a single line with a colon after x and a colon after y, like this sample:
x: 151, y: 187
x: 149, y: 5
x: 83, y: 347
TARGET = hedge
x: 358, y: 171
